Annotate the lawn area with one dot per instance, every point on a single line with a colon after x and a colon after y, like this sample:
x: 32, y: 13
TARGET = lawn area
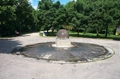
x: 93, y: 35
x: 87, y: 35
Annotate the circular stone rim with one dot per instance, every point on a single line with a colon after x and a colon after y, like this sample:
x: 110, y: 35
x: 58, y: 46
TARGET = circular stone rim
x: 110, y: 51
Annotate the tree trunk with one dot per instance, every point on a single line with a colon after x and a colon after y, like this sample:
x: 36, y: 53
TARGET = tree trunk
x: 97, y: 32
x: 20, y: 28
x: 47, y: 32
x: 85, y: 31
x: 52, y: 31
x: 106, y: 33
x: 78, y: 32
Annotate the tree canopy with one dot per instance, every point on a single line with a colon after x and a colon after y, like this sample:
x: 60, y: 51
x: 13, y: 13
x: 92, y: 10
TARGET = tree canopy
x: 15, y: 15
x: 97, y: 16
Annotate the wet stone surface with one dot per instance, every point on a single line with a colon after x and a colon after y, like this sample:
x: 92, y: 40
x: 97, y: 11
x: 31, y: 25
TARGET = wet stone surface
x: 81, y: 52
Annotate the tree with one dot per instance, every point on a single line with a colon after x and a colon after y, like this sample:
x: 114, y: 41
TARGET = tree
x: 15, y: 15
x: 46, y: 14
x: 25, y: 19
x: 55, y: 24
x: 7, y: 17
x: 107, y: 18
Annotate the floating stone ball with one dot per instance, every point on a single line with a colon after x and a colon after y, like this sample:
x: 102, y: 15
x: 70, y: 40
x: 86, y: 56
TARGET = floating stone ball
x: 62, y: 34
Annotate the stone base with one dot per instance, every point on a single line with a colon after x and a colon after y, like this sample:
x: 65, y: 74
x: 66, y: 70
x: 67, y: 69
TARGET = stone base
x: 63, y: 43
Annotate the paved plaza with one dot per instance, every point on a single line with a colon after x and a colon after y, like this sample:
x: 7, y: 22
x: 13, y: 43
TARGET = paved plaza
x: 20, y: 67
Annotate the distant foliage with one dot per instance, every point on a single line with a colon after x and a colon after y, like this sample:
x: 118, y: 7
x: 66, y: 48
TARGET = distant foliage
x: 98, y: 16
x: 93, y: 16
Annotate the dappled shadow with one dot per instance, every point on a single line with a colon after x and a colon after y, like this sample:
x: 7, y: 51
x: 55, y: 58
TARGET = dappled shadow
x: 51, y: 33
x: 117, y: 39
x: 7, y: 45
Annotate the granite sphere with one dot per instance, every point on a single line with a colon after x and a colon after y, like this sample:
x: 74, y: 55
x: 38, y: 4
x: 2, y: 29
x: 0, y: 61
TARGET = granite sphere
x: 62, y: 34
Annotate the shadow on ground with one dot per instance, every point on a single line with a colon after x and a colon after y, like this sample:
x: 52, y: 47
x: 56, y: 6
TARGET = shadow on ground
x: 117, y: 39
x: 7, y: 45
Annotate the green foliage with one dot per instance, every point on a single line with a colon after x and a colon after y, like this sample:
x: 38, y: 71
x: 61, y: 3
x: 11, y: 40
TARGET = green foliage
x: 15, y: 15
x: 7, y: 17
x: 46, y: 14
x: 24, y: 15
x: 96, y: 16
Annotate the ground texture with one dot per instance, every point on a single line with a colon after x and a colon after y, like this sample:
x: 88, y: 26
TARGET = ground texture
x: 20, y: 67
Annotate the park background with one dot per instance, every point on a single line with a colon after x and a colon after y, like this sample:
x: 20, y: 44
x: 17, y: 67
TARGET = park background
x: 82, y: 18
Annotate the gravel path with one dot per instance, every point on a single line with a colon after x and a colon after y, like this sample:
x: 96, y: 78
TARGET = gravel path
x: 20, y: 67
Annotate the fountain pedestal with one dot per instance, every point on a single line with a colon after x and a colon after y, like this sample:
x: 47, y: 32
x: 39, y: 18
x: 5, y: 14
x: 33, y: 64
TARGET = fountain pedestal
x: 63, y: 43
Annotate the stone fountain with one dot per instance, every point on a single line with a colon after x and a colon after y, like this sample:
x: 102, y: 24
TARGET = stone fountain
x: 62, y: 39
x: 66, y: 51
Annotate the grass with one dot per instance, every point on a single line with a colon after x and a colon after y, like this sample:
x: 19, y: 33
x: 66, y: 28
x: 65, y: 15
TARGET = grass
x: 93, y: 35
x: 87, y: 35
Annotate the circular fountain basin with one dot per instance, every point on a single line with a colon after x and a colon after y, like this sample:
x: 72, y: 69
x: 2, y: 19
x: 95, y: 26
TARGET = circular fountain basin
x: 79, y: 52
